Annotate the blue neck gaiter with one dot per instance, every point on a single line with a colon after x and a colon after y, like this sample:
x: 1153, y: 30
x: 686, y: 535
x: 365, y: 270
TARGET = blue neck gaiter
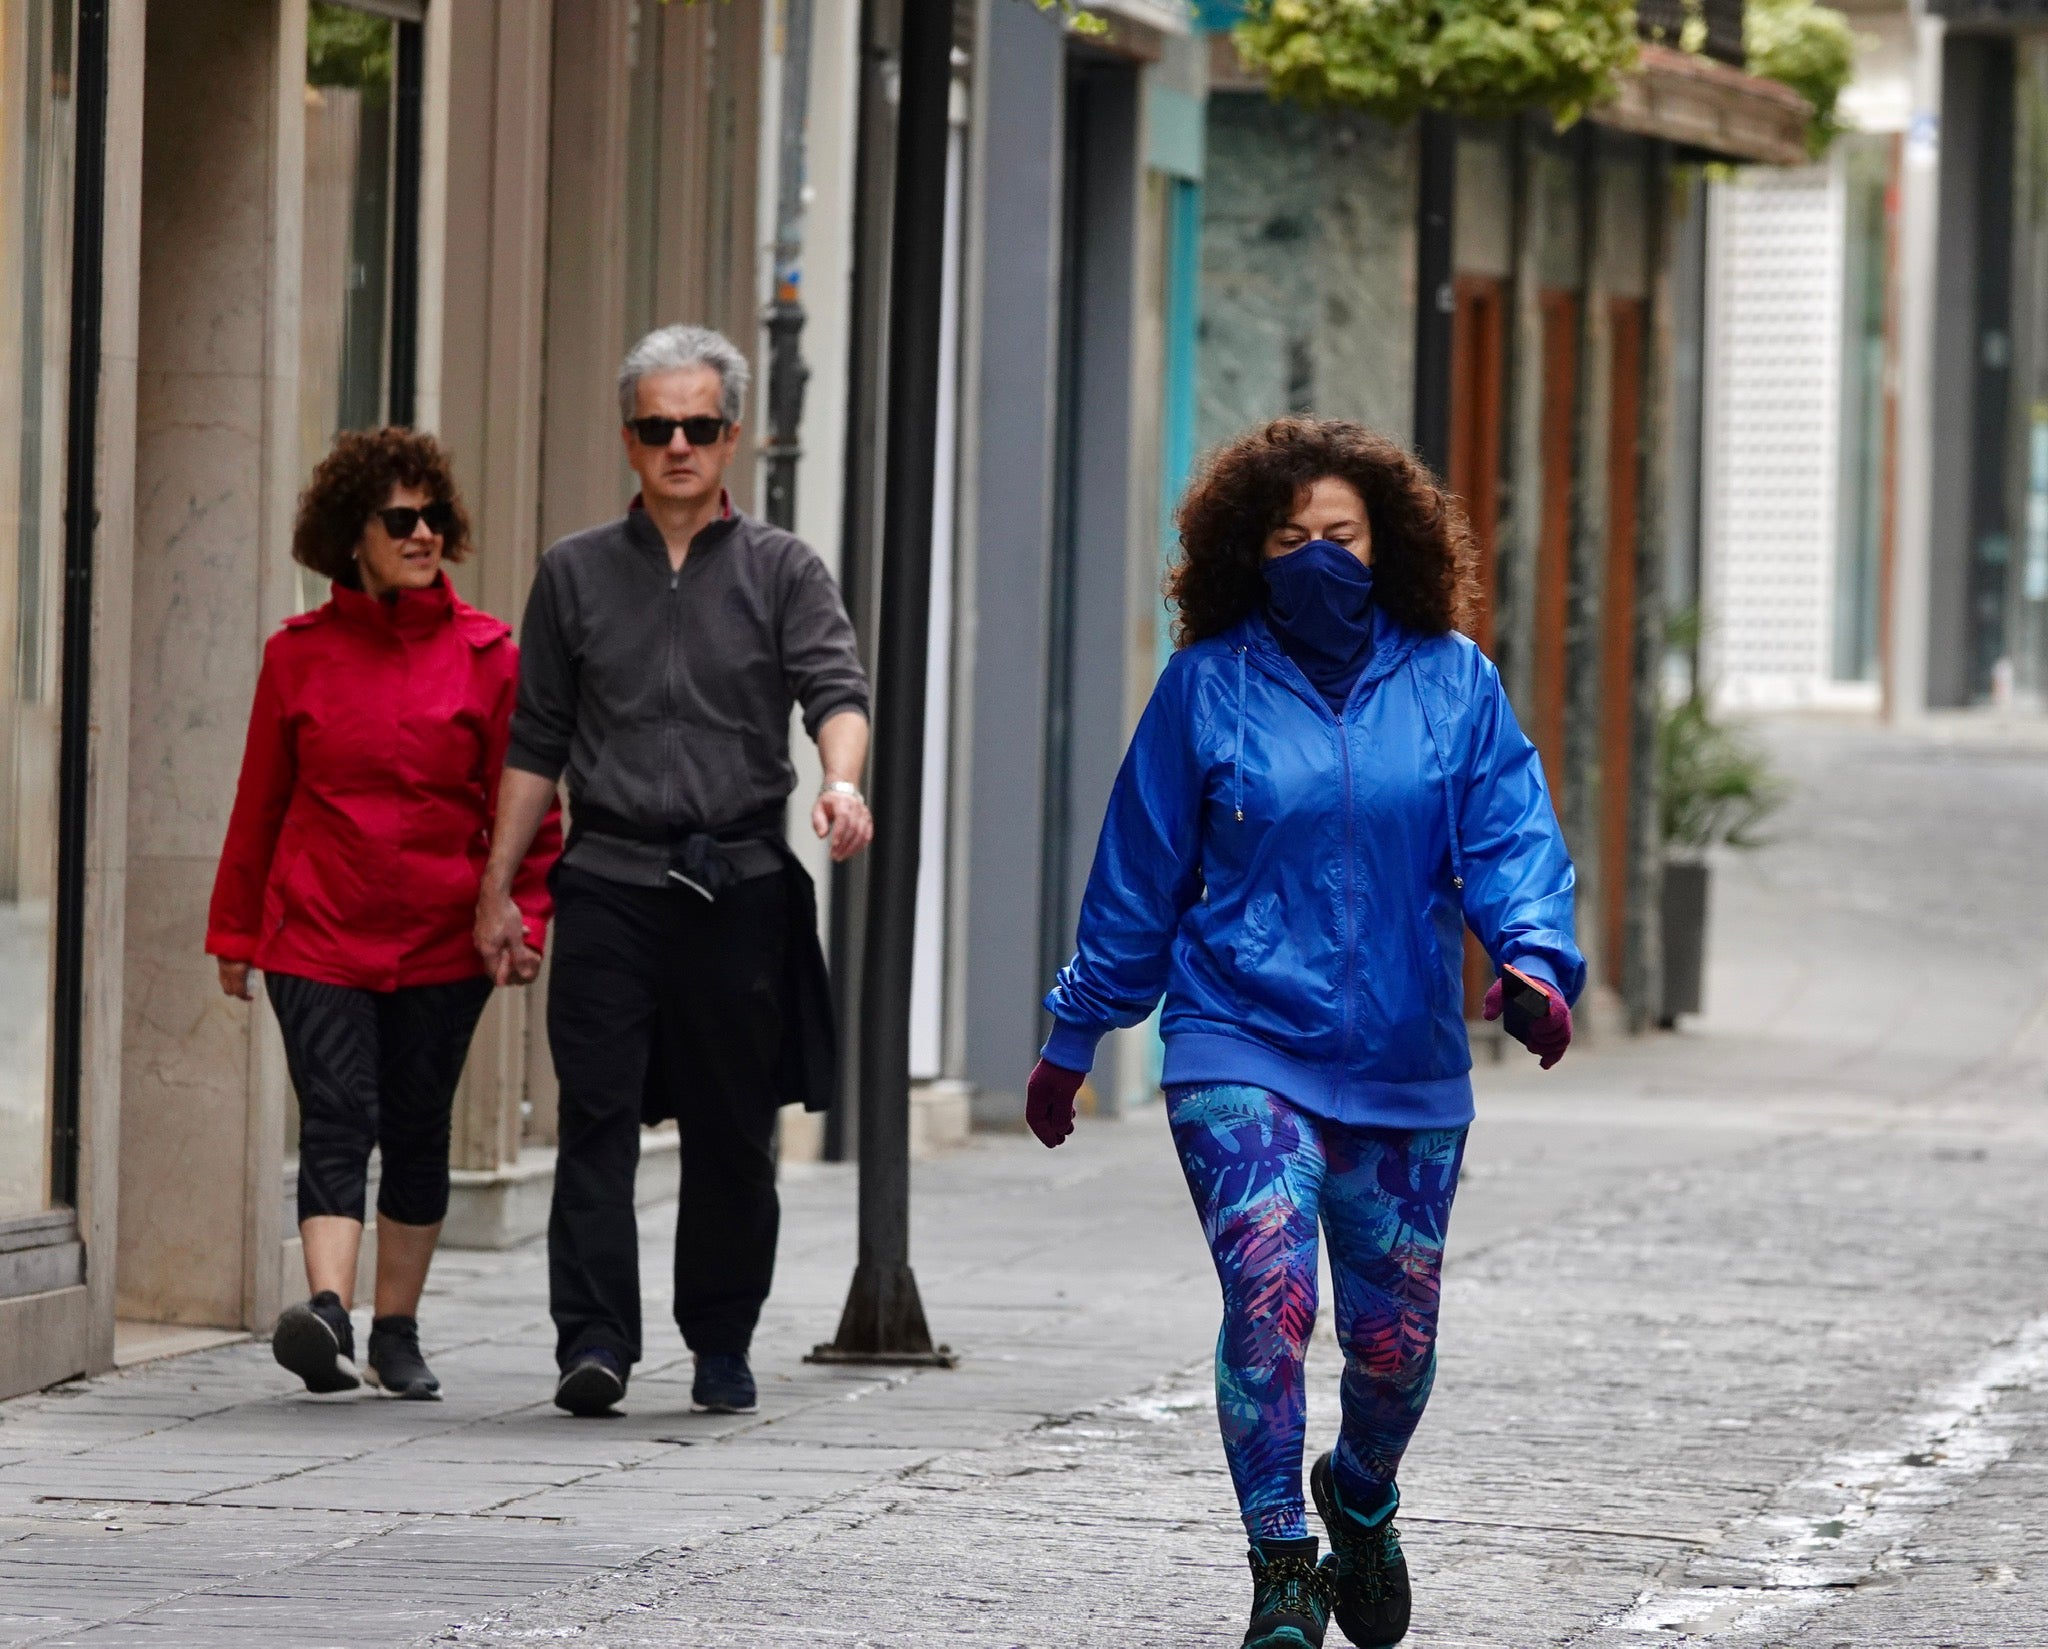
x: 1319, y: 606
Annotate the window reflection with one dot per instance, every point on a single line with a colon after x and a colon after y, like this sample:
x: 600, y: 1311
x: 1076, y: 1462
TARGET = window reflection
x: 35, y: 261
x: 345, y: 290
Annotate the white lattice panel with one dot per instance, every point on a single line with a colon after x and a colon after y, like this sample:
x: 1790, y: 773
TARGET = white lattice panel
x: 1773, y: 426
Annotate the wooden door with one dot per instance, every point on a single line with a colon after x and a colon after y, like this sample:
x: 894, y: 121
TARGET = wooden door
x: 1478, y: 342
x: 1625, y: 320
x: 1550, y: 597
x: 1478, y: 336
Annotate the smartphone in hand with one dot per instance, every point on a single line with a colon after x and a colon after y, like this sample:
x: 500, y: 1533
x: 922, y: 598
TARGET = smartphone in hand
x: 1522, y: 1004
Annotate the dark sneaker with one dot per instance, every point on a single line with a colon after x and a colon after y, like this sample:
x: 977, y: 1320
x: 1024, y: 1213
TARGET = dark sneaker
x: 1290, y: 1597
x: 395, y: 1364
x: 1367, y: 1572
x: 317, y: 1342
x: 724, y: 1384
x: 592, y: 1383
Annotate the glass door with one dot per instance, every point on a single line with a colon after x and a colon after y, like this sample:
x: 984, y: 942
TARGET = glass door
x: 36, y: 145
x: 359, y: 277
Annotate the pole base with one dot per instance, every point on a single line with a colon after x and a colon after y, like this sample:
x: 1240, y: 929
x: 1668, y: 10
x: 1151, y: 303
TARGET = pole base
x: 938, y: 1357
x: 883, y: 1323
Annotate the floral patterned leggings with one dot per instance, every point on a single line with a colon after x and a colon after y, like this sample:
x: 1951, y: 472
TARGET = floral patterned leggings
x: 1263, y: 1173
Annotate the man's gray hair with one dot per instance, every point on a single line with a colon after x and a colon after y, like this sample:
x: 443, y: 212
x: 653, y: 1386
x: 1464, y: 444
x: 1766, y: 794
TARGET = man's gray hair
x: 671, y: 349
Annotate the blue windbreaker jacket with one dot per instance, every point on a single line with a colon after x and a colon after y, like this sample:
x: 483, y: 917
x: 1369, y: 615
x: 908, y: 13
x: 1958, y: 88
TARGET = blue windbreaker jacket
x: 1297, y: 885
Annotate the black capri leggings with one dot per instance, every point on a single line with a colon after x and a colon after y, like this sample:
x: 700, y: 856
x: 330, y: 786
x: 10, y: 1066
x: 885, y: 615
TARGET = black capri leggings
x: 375, y: 1068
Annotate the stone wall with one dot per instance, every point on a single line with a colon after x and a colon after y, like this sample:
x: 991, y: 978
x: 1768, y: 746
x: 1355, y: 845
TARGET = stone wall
x: 1308, y: 288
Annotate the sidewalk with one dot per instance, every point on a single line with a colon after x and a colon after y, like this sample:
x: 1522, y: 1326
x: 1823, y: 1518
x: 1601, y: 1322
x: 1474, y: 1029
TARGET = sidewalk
x: 1657, y: 1315
x: 202, y: 1499
x: 1745, y: 1342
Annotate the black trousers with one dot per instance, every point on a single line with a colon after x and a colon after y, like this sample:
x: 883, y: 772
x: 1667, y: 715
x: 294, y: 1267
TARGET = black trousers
x: 375, y: 1068
x: 658, y: 992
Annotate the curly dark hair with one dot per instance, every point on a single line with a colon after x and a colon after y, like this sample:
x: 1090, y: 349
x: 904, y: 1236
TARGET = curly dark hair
x: 356, y: 478
x: 1421, y: 545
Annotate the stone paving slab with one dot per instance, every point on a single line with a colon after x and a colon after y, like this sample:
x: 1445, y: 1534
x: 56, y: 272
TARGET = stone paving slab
x: 1699, y: 1289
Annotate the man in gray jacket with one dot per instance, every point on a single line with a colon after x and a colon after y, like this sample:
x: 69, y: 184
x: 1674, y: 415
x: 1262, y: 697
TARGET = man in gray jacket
x: 660, y: 658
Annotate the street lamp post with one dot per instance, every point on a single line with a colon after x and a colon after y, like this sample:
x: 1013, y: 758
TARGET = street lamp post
x: 884, y: 1319
x: 1435, y: 290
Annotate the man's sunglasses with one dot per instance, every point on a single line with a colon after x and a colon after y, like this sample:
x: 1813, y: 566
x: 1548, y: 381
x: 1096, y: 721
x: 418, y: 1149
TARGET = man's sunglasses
x: 400, y: 519
x: 699, y: 432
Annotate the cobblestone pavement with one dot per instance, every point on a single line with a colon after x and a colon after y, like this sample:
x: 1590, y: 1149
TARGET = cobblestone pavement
x: 1745, y: 1343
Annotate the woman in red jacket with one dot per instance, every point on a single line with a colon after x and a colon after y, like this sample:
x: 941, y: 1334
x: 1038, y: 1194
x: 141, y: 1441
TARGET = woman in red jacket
x: 360, y: 831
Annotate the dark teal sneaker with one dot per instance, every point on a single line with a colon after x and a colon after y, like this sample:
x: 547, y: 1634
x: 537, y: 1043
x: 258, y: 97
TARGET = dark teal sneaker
x: 1290, y: 1597
x: 1368, y: 1576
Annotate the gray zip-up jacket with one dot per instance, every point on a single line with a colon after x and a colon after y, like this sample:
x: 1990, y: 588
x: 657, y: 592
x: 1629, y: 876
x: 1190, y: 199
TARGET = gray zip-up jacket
x: 664, y: 697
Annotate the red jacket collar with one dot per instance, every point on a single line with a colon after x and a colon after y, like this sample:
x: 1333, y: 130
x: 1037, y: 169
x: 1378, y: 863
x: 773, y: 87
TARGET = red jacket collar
x: 417, y: 612
x: 410, y: 611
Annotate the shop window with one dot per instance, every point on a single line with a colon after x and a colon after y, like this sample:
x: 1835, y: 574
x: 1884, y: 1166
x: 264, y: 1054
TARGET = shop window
x: 359, y: 279
x: 36, y: 142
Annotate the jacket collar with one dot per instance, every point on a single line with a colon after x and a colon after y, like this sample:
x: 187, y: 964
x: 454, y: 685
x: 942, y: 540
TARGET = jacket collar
x: 640, y: 527
x: 408, y: 612
x: 1392, y: 646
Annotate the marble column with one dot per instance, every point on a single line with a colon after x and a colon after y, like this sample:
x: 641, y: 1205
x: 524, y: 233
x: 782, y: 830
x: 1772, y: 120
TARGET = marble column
x: 216, y: 392
x: 492, y: 301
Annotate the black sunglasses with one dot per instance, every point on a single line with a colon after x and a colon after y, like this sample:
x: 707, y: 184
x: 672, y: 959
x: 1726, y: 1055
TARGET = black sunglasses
x: 701, y: 431
x: 400, y: 519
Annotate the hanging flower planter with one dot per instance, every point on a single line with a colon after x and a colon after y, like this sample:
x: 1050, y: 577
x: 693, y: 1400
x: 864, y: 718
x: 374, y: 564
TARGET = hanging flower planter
x: 1395, y: 58
x: 1810, y: 48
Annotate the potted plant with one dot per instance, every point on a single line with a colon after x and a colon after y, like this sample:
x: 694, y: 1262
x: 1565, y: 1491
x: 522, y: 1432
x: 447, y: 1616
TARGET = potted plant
x: 1714, y: 789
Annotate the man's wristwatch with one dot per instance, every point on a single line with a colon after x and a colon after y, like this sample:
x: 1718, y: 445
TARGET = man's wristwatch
x: 840, y: 787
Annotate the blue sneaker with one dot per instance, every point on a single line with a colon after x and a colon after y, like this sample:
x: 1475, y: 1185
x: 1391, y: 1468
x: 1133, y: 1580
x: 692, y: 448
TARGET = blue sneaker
x: 593, y: 1382
x: 724, y: 1384
x: 1290, y: 1596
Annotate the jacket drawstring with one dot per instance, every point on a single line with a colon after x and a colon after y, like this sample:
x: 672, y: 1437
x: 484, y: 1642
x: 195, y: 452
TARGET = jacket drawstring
x: 1237, y: 759
x: 1443, y: 768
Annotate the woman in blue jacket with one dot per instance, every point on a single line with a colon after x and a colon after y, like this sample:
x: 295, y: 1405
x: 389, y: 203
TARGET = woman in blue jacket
x: 1327, y: 787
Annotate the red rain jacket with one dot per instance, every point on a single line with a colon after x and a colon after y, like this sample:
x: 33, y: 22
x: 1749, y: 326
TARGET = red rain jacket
x: 363, y: 819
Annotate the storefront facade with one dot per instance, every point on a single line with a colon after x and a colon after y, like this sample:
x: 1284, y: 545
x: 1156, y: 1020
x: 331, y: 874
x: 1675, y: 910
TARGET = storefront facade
x: 52, y: 828
x: 316, y: 216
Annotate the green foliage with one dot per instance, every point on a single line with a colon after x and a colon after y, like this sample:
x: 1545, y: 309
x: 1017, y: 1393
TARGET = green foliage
x: 1394, y: 58
x: 1810, y: 48
x: 348, y: 48
x: 1714, y: 786
x: 1072, y: 13
x: 1081, y: 21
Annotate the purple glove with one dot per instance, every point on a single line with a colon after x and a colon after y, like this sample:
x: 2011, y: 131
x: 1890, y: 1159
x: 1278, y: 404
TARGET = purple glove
x: 1549, y: 1036
x: 1049, y: 1101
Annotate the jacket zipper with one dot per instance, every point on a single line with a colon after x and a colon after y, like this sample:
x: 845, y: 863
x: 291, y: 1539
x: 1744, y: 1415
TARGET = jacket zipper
x: 670, y: 749
x: 1350, y: 894
x: 1317, y: 703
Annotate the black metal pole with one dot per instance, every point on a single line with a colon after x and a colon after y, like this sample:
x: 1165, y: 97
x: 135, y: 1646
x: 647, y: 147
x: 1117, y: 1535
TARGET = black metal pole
x: 787, y: 373
x: 1435, y: 295
x: 81, y: 518
x: 860, y: 514
x: 884, y: 1318
x: 409, y: 143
